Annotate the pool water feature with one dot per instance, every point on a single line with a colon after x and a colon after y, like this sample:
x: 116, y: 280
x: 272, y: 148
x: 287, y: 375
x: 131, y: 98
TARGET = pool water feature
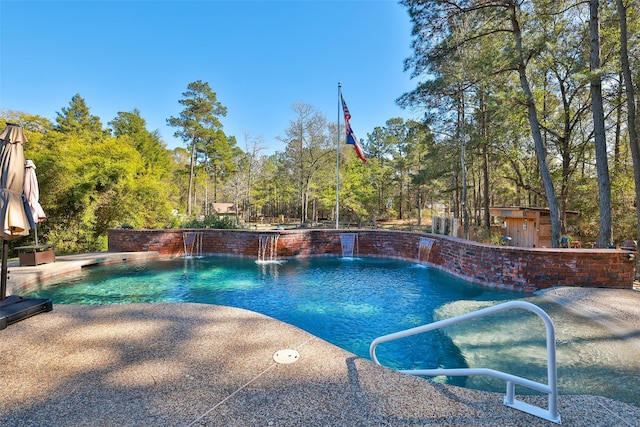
x: 192, y: 242
x: 350, y: 302
x: 268, y: 247
x: 348, y: 242
x: 424, y: 248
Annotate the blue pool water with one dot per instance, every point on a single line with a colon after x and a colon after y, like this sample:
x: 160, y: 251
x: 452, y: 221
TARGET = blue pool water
x: 349, y: 302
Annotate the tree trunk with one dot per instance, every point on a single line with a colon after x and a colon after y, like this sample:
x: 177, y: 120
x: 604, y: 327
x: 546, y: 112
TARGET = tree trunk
x: 419, y: 207
x: 605, y: 238
x: 463, y: 164
x: 540, y: 149
x: 486, y: 219
x: 215, y: 183
x: 456, y: 194
x: 631, y: 108
x: 618, y: 131
x: 191, y: 175
x: 305, y: 200
x: 401, y: 203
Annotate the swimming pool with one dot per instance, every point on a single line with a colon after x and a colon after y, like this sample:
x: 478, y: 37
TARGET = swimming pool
x: 349, y: 302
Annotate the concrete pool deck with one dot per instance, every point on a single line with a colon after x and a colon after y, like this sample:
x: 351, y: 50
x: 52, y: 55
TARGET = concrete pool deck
x: 194, y: 364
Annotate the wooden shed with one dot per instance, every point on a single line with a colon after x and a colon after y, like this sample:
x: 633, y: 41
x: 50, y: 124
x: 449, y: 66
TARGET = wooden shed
x: 526, y: 227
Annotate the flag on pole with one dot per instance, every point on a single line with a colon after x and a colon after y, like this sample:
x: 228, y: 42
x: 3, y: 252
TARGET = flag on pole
x: 351, y: 138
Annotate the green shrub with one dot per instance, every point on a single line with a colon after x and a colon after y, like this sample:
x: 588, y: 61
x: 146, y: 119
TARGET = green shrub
x: 212, y: 221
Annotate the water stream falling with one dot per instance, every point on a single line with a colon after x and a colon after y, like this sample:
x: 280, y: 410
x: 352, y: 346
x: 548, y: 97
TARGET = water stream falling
x: 424, y: 248
x: 268, y: 248
x: 349, y: 242
x: 192, y: 241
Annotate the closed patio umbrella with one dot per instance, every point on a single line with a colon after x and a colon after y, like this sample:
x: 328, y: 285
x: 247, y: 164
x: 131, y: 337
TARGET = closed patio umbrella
x: 32, y: 193
x: 15, y: 220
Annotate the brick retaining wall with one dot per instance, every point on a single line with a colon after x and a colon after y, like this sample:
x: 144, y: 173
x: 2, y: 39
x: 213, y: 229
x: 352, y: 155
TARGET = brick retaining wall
x: 514, y: 268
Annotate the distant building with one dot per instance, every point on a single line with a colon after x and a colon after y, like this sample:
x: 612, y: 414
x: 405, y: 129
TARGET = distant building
x: 526, y: 227
x: 225, y: 208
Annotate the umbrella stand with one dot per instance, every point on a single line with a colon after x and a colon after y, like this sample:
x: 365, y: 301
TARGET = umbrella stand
x: 15, y: 308
x: 16, y: 215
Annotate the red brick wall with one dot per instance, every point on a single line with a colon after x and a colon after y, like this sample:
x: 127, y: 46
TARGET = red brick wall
x: 497, y: 266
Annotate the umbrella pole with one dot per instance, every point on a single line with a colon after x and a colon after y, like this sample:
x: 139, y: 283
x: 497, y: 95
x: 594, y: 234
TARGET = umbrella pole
x: 3, y: 273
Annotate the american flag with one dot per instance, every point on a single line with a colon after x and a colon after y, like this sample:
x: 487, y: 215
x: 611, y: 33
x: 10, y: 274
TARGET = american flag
x: 351, y: 137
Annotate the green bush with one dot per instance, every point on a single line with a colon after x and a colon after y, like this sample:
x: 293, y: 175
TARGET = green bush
x: 212, y: 221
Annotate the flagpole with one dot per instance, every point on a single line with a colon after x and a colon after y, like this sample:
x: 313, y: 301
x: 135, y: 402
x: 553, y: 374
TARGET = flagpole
x: 338, y: 163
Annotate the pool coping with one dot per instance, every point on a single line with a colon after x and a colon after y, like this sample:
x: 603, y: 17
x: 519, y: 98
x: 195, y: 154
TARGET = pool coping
x: 196, y: 364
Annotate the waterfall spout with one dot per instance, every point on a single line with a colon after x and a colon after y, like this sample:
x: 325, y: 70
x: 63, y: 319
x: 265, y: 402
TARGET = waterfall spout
x: 424, y: 248
x: 349, y: 242
x: 268, y: 248
x: 192, y: 241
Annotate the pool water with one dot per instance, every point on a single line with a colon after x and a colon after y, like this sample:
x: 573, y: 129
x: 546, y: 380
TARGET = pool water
x: 351, y: 301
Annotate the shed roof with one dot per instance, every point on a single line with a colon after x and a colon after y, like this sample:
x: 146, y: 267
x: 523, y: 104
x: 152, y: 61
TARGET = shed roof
x: 497, y: 210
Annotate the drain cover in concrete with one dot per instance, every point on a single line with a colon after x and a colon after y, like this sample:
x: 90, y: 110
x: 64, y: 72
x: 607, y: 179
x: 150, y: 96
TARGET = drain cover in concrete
x: 286, y: 356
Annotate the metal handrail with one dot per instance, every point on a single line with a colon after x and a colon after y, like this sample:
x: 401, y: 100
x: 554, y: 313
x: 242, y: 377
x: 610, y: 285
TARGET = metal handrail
x: 551, y: 389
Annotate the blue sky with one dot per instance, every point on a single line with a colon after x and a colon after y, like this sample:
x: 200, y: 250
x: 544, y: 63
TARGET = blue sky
x: 258, y: 56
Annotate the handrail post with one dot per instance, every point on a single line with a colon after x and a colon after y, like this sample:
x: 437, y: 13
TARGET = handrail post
x: 511, y: 391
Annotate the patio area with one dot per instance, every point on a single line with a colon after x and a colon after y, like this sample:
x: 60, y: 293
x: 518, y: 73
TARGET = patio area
x: 194, y: 364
